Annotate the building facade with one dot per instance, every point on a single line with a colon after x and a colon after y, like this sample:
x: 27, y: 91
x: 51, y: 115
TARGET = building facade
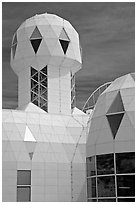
x: 51, y: 150
x: 111, y: 144
x: 44, y: 140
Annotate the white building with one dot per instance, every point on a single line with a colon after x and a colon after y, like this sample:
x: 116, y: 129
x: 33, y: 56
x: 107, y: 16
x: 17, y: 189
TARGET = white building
x: 111, y: 144
x: 44, y: 140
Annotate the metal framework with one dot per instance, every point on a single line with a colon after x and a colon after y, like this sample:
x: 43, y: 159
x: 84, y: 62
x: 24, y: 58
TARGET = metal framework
x: 90, y: 103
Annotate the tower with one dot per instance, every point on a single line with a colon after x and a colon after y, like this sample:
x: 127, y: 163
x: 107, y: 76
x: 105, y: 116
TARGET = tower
x: 45, y: 55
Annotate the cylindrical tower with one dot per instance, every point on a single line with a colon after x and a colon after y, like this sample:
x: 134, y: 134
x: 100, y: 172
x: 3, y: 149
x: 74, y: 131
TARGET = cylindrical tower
x: 45, y: 55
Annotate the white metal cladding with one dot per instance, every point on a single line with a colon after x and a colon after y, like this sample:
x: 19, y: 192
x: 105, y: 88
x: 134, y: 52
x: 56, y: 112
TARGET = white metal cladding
x: 52, y: 147
x: 46, y: 41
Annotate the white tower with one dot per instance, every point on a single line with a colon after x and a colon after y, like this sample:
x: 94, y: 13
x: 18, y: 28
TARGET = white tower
x: 45, y: 55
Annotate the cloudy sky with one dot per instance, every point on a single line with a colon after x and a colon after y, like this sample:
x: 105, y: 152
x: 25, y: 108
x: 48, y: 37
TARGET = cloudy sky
x: 106, y: 34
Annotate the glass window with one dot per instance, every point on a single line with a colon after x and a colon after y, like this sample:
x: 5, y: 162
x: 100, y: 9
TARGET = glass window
x: 23, y: 185
x: 23, y: 194
x: 106, y: 186
x: 107, y: 200
x: 105, y: 164
x: 91, y: 187
x: 125, y: 162
x: 126, y: 199
x: 24, y: 177
x: 39, y: 85
x: 92, y: 200
x: 126, y: 185
x: 91, y: 166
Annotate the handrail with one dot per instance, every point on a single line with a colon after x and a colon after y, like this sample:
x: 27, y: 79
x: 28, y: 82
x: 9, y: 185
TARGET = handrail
x: 91, y: 101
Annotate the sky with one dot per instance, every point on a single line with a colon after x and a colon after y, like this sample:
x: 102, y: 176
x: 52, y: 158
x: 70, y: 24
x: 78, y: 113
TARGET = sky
x: 107, y: 36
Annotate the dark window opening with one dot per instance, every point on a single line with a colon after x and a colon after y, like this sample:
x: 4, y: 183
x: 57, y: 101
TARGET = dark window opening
x: 105, y: 164
x: 23, y: 185
x: 64, y: 45
x: 114, y: 122
x: 35, y: 44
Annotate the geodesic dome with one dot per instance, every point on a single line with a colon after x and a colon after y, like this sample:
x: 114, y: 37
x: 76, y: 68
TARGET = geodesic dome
x: 45, y: 39
x: 111, y: 143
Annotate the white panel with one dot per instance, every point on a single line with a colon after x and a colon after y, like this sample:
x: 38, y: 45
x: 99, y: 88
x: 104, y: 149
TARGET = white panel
x: 104, y: 148
x: 125, y: 133
x: 124, y: 146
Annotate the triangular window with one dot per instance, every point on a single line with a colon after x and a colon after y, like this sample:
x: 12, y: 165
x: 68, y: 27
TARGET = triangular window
x: 117, y: 105
x: 64, y: 40
x: 36, y: 39
x: 64, y: 45
x: 14, y: 50
x: 14, y: 39
x: 36, y: 34
x: 63, y: 35
x: 114, y: 122
x: 35, y: 44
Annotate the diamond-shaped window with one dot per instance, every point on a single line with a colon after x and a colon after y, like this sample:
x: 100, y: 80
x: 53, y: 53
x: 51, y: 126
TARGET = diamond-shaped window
x: 114, y: 122
x: 115, y: 114
x: 64, y: 40
x: 117, y: 105
x: 36, y: 39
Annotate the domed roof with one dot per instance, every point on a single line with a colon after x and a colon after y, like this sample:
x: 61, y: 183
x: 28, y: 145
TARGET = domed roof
x: 113, y: 116
x: 46, y: 39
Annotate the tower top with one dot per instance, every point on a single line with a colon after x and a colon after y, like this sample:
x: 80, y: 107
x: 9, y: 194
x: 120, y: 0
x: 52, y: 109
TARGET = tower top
x: 43, y: 40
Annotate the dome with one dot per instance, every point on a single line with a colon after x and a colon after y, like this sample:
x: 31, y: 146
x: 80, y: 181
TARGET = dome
x: 45, y: 39
x: 110, y: 148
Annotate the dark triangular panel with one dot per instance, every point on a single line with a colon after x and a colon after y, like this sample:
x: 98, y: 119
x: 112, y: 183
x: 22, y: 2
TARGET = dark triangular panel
x: 15, y: 39
x: 63, y: 35
x: 64, y: 45
x: 35, y: 44
x: 33, y: 71
x: 44, y: 70
x: 36, y: 34
x: 114, y: 122
x: 14, y: 50
x: 117, y: 105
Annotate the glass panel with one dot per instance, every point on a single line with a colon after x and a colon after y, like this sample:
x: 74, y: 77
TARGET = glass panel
x: 36, y: 34
x: 35, y: 89
x: 114, y: 122
x: 92, y: 200
x: 35, y: 44
x: 91, y: 166
x: 42, y: 101
x: 42, y: 77
x: 23, y: 177
x: 35, y: 77
x: 44, y: 70
x: 106, y: 186
x: 33, y: 83
x: 126, y: 185
x: 23, y: 194
x: 105, y: 164
x: 33, y: 71
x: 107, y: 200
x: 126, y: 199
x: 44, y: 95
x: 45, y: 108
x: 44, y: 83
x: 125, y: 162
x: 91, y: 187
x: 42, y: 89
x: 33, y: 96
x: 14, y: 50
x: 64, y: 45
x: 35, y: 102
